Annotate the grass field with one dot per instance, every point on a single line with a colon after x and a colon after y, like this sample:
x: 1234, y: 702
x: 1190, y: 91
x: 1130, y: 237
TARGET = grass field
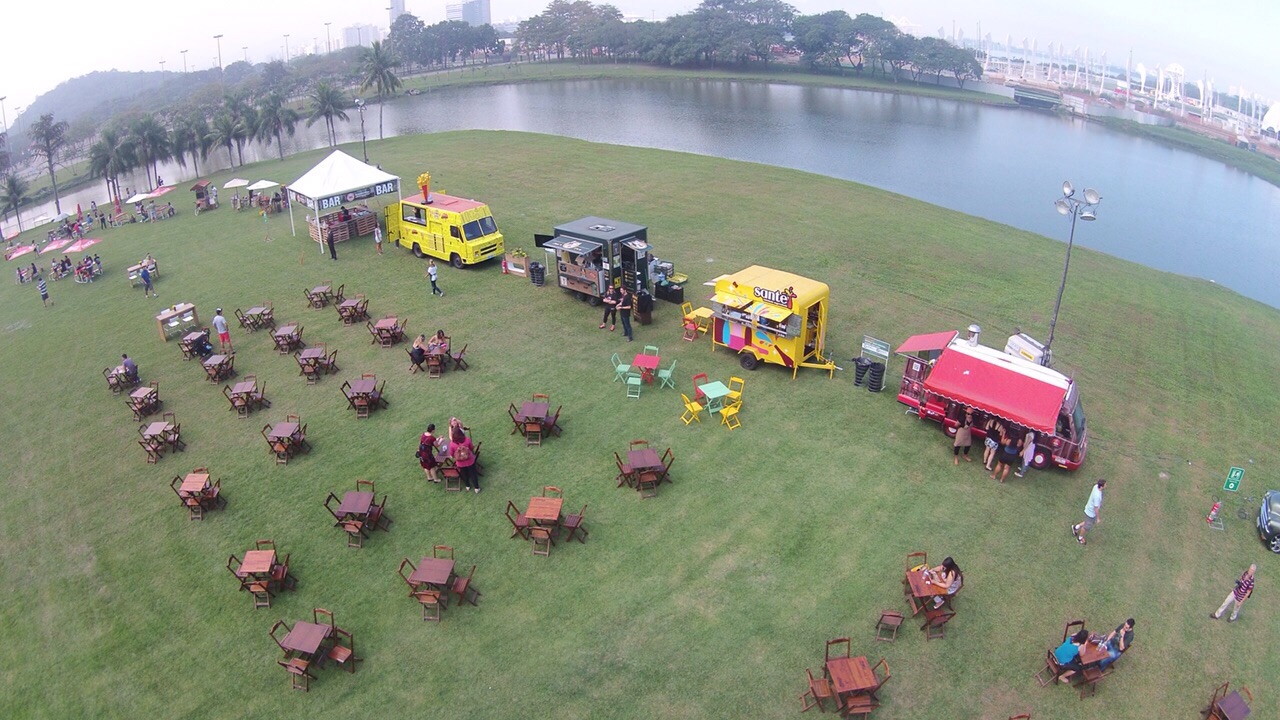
x: 709, y: 601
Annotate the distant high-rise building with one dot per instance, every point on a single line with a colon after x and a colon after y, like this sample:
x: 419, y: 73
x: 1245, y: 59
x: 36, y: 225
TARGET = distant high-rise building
x: 360, y: 35
x: 397, y: 9
x: 472, y: 12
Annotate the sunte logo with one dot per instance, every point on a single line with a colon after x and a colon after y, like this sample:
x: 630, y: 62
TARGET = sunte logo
x: 777, y: 297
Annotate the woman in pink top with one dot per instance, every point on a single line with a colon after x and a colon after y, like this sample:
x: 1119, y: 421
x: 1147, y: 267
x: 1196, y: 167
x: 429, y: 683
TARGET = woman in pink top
x: 464, y: 457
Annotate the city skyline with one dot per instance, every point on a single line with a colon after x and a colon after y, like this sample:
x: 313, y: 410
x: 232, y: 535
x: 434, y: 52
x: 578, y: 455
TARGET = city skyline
x: 1205, y: 40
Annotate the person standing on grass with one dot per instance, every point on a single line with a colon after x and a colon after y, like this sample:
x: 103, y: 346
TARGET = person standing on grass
x: 464, y: 458
x: 610, y: 301
x: 147, y: 290
x: 1240, y: 593
x: 433, y: 273
x: 427, y: 453
x: 1007, y: 456
x: 328, y: 238
x: 1028, y: 453
x: 964, y: 437
x: 377, y: 237
x: 1092, y: 512
x: 220, y: 325
x: 44, y: 291
x: 624, y: 311
x: 990, y: 443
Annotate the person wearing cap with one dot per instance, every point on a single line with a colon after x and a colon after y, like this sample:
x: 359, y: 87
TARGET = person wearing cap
x: 220, y: 325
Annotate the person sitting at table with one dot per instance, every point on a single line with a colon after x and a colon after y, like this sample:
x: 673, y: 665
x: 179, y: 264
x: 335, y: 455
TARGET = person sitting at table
x: 419, y: 350
x: 129, y: 367
x: 438, y: 344
x: 946, y: 575
x: 1068, y: 654
x: 1117, y: 642
x: 427, y: 453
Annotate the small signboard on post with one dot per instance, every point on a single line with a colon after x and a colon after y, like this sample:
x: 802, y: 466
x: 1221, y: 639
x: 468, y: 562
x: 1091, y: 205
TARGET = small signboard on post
x: 874, y: 348
x: 1234, y: 476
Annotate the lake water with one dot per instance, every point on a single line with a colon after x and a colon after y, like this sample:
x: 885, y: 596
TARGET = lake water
x: 1161, y: 207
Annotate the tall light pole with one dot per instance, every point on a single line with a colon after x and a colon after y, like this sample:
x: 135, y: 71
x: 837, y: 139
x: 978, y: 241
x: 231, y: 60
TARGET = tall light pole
x: 328, y: 40
x: 219, y: 39
x: 286, y: 48
x: 1084, y: 209
x: 363, y: 147
x: 245, y: 48
x: 162, y: 66
x: 3, y: 116
x: 184, y: 61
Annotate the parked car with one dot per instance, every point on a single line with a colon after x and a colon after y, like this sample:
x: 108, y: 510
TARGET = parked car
x: 1269, y: 520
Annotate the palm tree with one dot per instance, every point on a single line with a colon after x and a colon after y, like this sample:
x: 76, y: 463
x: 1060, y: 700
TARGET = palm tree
x: 274, y: 118
x: 190, y: 135
x: 111, y: 157
x: 329, y: 104
x: 13, y: 193
x: 245, y: 120
x: 151, y: 141
x: 224, y: 132
x: 48, y: 138
x: 377, y: 68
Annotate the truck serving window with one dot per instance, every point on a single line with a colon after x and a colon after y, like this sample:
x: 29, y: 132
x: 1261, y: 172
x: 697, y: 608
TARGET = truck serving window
x: 412, y: 214
x: 479, y: 228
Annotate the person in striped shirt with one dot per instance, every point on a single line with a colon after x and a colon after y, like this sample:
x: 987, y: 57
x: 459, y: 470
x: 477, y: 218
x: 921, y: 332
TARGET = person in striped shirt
x: 44, y: 290
x: 1241, y: 592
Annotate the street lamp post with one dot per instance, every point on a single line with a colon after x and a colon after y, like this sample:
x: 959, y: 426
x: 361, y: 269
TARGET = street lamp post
x: 162, y: 66
x: 364, y: 148
x: 1084, y: 209
x: 184, y: 61
x: 286, y: 48
x: 219, y: 39
x: 3, y: 116
x: 328, y: 40
x: 245, y: 48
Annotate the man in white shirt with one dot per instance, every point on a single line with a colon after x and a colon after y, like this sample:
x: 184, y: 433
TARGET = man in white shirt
x: 1092, y: 512
x: 220, y: 325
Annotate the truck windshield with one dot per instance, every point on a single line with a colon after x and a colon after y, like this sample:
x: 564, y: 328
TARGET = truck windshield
x: 1077, y: 418
x: 479, y: 228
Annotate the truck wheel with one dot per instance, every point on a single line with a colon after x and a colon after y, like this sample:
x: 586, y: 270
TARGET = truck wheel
x: 748, y: 361
x: 1040, y: 460
x: 417, y: 252
x: 950, y: 431
x: 592, y: 300
x: 456, y: 261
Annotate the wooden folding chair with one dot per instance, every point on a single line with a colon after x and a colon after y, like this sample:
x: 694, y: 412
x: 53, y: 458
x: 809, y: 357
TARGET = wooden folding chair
x: 462, y: 586
x: 519, y: 523
x: 858, y: 705
x: 881, y: 671
x: 840, y: 647
x: 1089, y: 679
x: 542, y: 541
x: 573, y: 523
x: 452, y: 478
x: 647, y: 484
x: 533, y: 433
x: 344, y: 655
x: 819, y: 690
x: 888, y: 623
x: 626, y: 474
x: 432, y: 606
x: 299, y: 673
x: 552, y: 491
x: 459, y: 359
x: 935, y: 624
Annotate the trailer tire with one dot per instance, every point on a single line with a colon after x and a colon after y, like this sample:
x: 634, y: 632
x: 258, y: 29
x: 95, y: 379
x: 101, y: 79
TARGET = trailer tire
x: 748, y: 361
x: 950, y: 431
x: 592, y: 300
x: 456, y: 261
x: 1040, y: 460
x: 417, y: 252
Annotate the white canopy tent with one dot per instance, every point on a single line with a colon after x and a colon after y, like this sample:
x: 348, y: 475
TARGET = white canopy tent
x: 235, y: 183
x: 339, y: 179
x: 263, y: 185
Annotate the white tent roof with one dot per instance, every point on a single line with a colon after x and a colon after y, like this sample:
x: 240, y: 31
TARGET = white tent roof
x: 263, y: 185
x: 137, y: 198
x: 235, y: 183
x: 337, y: 174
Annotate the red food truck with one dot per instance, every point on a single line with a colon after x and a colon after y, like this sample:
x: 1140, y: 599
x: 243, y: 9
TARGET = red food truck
x: 945, y: 374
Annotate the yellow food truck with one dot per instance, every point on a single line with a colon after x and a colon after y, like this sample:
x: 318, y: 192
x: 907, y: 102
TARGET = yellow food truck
x: 771, y: 316
x: 451, y: 228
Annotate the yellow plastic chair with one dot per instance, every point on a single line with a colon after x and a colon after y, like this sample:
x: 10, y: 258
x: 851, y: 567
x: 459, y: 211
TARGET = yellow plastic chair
x: 692, y: 410
x: 686, y: 309
x: 729, y: 416
x: 736, y: 385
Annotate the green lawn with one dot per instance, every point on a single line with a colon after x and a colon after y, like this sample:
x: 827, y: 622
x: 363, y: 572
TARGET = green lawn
x: 709, y: 601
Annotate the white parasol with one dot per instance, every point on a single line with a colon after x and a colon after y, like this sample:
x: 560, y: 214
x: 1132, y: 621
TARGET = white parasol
x: 137, y: 198
x: 263, y: 185
x: 235, y: 183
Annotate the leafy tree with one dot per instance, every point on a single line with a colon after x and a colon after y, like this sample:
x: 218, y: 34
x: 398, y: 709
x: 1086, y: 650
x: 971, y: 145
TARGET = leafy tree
x: 13, y: 193
x: 276, y: 118
x: 48, y: 139
x: 151, y: 142
x: 822, y: 38
x: 930, y: 55
x: 275, y: 76
x: 867, y: 34
x: 111, y: 157
x: 406, y: 38
x: 964, y: 65
x: 378, y: 73
x: 190, y: 134
x: 896, y: 50
x: 224, y: 131
x: 4, y: 151
x: 328, y: 103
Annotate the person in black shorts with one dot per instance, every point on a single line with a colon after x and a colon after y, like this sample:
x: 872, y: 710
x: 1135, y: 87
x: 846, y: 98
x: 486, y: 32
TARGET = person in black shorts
x: 1008, y: 456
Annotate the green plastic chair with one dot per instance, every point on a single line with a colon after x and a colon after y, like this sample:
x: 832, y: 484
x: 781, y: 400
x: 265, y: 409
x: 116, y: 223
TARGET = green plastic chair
x: 634, y: 383
x: 650, y: 349
x: 619, y: 370
x: 667, y: 376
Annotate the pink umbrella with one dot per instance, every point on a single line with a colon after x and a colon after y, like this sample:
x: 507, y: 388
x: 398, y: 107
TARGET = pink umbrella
x: 58, y: 244
x: 19, y: 251
x: 162, y: 190
x: 82, y: 245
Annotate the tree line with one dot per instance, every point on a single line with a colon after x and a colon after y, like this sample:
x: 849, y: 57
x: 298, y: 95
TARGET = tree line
x: 740, y: 32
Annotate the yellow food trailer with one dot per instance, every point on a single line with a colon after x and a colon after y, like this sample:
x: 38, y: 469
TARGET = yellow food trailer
x: 771, y: 316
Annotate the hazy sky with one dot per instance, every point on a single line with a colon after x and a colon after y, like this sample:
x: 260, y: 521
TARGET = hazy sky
x: 43, y: 45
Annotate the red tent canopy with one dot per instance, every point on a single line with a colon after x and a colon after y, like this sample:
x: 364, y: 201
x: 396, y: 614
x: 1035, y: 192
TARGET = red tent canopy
x: 932, y: 341
x: 1001, y: 384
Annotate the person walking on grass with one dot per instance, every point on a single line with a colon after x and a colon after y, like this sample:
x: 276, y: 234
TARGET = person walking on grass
x: 220, y: 325
x: 147, y: 289
x: 1238, y: 594
x: 433, y: 273
x: 1092, y: 512
x: 624, y: 310
x: 44, y: 291
x: 377, y: 238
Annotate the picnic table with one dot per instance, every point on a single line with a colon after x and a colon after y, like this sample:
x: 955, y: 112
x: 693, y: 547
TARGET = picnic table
x: 310, y: 363
x: 1233, y: 707
x: 258, y: 317
x: 134, y: 272
x: 176, y: 319
x: 355, y: 504
x: 320, y: 295
x: 258, y: 563
x: 218, y: 367
x: 921, y: 588
x: 387, y: 331
x: 648, y: 365
x: 434, y: 572
x: 352, y: 310
x: 194, y: 485
x: 1092, y: 653
x: 192, y: 342
x: 306, y: 637
x: 851, y: 675
x: 284, y: 439
x: 715, y: 393
x: 287, y: 338
x: 644, y: 459
x: 156, y: 430
x: 535, y: 411
x: 544, y: 510
x: 144, y: 401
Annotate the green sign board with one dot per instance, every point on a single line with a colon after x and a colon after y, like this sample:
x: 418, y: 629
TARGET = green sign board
x: 1234, y: 476
x: 874, y: 348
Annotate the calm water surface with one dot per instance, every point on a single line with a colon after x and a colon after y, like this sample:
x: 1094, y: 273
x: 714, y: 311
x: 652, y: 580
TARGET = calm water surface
x: 1163, y: 208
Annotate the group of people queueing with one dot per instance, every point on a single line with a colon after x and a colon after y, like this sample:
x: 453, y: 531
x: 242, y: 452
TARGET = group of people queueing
x: 1115, y: 643
x: 456, y: 446
x: 1006, y: 446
